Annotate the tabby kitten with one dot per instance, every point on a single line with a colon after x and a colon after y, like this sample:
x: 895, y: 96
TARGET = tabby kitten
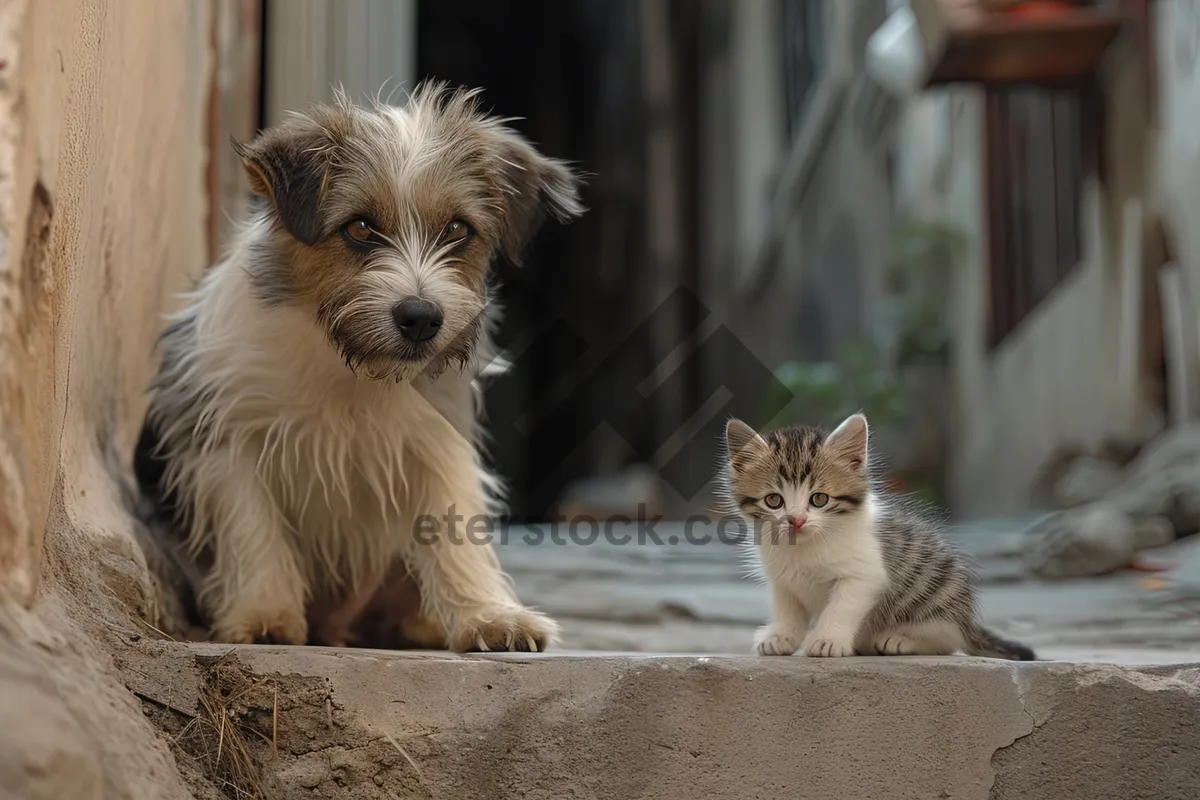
x: 851, y: 569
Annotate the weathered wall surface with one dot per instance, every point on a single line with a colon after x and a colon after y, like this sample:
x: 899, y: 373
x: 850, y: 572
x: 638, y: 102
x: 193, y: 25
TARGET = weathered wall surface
x: 101, y: 213
x: 372, y: 725
x: 102, y: 209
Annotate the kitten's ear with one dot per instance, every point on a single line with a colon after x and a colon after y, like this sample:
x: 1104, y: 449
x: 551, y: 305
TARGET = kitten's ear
x: 742, y: 441
x: 849, y: 441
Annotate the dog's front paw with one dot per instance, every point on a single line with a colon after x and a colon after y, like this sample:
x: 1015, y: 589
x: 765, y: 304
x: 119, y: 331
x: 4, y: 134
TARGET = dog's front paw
x: 506, y: 630
x: 262, y: 626
x: 771, y: 641
x: 821, y: 647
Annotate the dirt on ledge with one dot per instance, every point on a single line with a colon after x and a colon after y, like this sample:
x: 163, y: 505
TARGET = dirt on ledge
x: 96, y: 703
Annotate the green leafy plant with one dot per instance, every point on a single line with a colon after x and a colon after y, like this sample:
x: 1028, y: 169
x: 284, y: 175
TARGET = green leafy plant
x: 826, y: 392
x: 924, y: 258
x: 918, y: 279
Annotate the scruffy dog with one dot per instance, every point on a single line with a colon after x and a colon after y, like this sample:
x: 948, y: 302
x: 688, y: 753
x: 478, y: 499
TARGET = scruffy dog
x: 312, y: 438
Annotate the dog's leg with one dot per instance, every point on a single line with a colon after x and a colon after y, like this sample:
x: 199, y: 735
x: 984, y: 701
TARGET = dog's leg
x: 462, y: 586
x: 332, y: 620
x: 396, y: 620
x: 255, y: 591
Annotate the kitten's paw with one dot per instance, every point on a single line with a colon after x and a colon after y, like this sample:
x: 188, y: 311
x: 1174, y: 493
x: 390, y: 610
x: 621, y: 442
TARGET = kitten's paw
x: 829, y: 648
x: 770, y: 641
x: 894, y: 644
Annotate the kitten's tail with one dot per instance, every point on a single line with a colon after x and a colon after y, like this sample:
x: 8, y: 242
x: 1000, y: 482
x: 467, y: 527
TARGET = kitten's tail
x: 982, y: 642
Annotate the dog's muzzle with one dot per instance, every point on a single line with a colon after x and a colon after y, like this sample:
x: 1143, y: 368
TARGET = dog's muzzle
x: 418, y: 320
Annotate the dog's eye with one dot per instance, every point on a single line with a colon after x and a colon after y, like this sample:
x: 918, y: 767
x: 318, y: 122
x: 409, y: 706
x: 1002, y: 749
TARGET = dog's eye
x: 360, y: 233
x: 457, y: 231
x: 773, y: 501
x: 819, y: 499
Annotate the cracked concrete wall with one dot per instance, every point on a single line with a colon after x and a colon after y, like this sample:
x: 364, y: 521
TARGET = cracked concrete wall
x: 1101, y: 731
x: 368, y: 725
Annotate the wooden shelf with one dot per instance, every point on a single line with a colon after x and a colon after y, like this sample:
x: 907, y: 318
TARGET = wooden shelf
x: 966, y: 43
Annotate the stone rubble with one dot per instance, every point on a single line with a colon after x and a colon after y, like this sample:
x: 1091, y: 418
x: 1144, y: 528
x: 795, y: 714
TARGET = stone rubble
x: 1111, y: 511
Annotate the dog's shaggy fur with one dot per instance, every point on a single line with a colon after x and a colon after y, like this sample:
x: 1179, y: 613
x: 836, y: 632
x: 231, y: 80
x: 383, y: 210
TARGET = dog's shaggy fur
x: 300, y: 447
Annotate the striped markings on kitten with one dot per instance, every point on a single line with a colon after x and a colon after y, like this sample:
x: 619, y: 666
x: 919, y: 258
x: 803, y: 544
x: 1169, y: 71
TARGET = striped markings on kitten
x: 852, y: 570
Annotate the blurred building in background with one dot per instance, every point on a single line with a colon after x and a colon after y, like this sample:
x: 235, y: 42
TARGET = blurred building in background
x: 1056, y: 326
x: 992, y: 256
x: 800, y: 160
x: 987, y: 260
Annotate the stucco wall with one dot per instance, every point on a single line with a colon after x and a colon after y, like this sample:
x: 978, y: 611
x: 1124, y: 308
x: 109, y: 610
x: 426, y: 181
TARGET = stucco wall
x: 101, y: 213
x: 103, y: 109
x: 1070, y: 373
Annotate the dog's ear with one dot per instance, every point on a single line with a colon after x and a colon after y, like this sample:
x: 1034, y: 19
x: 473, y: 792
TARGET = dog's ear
x: 534, y: 186
x: 288, y: 167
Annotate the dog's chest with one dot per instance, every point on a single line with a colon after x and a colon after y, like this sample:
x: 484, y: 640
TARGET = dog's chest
x: 340, y: 470
x: 328, y: 478
x: 349, y: 462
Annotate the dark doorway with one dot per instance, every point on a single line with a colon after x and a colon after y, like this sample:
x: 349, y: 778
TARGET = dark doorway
x: 569, y: 69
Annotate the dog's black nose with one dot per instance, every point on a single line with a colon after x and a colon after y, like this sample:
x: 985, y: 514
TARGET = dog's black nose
x: 417, y: 319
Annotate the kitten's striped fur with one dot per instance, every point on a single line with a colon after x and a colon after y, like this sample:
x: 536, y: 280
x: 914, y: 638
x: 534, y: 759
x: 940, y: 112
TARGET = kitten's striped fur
x: 852, y: 570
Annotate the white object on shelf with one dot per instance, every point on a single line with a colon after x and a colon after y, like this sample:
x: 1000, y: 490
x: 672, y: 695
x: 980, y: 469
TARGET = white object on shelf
x: 895, y: 57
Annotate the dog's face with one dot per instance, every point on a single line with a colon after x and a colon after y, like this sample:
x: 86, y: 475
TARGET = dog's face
x: 385, y: 222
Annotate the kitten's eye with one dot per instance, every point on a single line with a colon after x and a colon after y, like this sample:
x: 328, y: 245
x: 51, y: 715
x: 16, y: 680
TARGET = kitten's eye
x: 456, y: 232
x: 819, y: 499
x: 359, y: 234
x: 773, y: 501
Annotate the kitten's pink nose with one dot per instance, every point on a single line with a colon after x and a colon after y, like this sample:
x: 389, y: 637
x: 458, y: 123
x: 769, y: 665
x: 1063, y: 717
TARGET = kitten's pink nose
x: 796, y: 522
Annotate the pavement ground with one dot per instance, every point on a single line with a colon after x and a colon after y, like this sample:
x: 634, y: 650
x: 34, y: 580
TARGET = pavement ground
x: 685, y: 591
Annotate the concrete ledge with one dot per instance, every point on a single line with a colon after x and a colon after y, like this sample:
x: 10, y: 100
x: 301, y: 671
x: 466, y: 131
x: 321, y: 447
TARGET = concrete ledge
x: 615, y: 726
